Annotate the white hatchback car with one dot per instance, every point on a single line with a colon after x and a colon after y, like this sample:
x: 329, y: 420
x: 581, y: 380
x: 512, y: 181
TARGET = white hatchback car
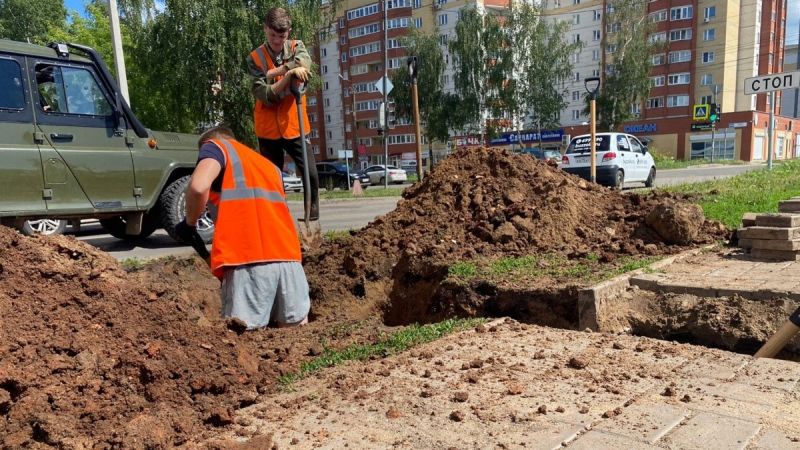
x: 620, y: 158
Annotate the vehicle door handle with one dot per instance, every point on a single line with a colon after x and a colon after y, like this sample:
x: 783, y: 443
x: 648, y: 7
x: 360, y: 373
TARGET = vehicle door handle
x: 61, y: 137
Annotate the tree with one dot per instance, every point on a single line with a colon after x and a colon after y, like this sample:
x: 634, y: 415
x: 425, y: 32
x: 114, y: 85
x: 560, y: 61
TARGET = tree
x: 626, y: 78
x: 478, y: 76
x: 23, y: 20
x: 430, y: 68
x: 539, y: 58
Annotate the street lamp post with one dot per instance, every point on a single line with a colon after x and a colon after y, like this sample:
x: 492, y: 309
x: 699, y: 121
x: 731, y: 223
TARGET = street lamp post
x: 714, y: 91
x: 592, y: 85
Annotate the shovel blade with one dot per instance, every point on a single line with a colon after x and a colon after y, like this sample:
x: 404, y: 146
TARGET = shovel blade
x: 310, y: 234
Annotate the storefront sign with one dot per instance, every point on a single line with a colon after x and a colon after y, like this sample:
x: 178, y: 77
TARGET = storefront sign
x: 464, y: 141
x: 737, y: 125
x: 701, y: 126
x: 528, y: 136
x: 641, y: 128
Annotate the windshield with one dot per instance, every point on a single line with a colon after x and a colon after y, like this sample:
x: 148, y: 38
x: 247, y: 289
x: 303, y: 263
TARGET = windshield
x: 582, y: 144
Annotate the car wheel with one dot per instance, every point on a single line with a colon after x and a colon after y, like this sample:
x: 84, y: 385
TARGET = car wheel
x: 173, y: 211
x: 115, y: 226
x: 382, y: 180
x: 620, y: 181
x: 45, y: 227
x: 651, y: 179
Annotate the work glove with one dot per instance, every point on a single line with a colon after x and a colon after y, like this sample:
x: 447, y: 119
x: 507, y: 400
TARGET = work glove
x: 189, y: 235
x: 299, y: 73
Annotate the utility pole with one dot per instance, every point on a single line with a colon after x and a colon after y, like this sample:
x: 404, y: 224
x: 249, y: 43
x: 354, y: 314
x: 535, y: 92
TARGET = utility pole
x: 119, y: 58
x: 385, y: 94
x: 771, y: 129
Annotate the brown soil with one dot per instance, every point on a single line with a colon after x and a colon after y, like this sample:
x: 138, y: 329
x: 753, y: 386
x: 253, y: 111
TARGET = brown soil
x: 94, y: 357
x: 488, y: 203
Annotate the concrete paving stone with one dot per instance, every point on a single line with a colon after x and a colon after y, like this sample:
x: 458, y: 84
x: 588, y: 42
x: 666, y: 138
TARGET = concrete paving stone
x: 789, y: 206
x: 776, y: 440
x: 644, y: 422
x: 778, y: 220
x: 551, y: 435
x: 749, y: 219
x: 721, y: 367
x: 775, y: 255
x: 712, y: 431
x: 769, y: 233
x: 594, y: 440
x: 772, y: 244
x: 648, y: 282
x: 700, y: 289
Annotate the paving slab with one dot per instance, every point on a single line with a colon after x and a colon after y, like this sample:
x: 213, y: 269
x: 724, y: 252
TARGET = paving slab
x: 786, y: 220
x: 523, y: 386
x: 776, y: 440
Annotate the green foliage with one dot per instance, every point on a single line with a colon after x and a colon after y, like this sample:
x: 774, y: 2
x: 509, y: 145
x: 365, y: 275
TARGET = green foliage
x: 628, y: 82
x: 758, y: 191
x: 337, y: 235
x: 408, y: 337
x: 132, y: 264
x: 463, y: 269
x: 430, y: 67
x: 34, y: 20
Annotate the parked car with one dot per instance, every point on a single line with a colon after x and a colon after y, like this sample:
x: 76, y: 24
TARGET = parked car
x: 334, y: 175
x: 544, y: 155
x: 619, y: 158
x: 73, y: 149
x: 377, y: 173
x: 292, y: 183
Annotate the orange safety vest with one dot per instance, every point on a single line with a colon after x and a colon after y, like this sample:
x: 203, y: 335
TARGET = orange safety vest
x: 278, y: 120
x: 253, y: 222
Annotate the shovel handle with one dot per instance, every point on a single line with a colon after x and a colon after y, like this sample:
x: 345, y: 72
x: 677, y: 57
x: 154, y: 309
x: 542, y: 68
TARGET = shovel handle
x: 297, y: 88
x: 779, y: 340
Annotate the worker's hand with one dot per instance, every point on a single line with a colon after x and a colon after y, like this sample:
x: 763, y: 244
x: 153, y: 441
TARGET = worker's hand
x: 188, y: 234
x: 299, y: 73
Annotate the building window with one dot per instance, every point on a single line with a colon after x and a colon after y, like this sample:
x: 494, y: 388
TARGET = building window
x: 324, y: 69
x: 709, y: 34
x: 330, y: 135
x: 657, y: 81
x: 327, y: 118
x: 708, y: 57
x: 311, y: 101
x: 658, y: 16
x: 707, y: 80
x: 576, y: 95
x: 596, y: 15
x: 327, y: 102
x: 418, y: 22
x: 394, y: 43
x: 362, y: 12
x: 706, y: 99
x: 595, y: 35
x: 443, y: 39
x: 576, y: 19
x: 611, y: 48
x: 710, y: 12
x: 372, y: 47
x: 391, y: 4
x: 576, y: 38
x: 417, y: 4
x: 658, y: 59
x: 576, y: 76
x: 364, y: 30
x: 684, y: 34
x: 677, y: 100
x: 613, y: 27
x: 401, y: 22
x: 324, y: 52
x: 658, y: 37
x: 344, y: 57
x: 596, y: 72
x: 576, y: 2
x: 680, y: 56
x: 679, y: 78
x: 442, y: 19
x: 326, y: 85
x: 576, y: 114
x: 655, y: 102
x: 595, y: 55
x: 681, y: 13
x: 636, y: 109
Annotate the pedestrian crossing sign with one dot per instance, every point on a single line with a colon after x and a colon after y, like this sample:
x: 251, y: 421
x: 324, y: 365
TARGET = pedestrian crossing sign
x: 700, y: 112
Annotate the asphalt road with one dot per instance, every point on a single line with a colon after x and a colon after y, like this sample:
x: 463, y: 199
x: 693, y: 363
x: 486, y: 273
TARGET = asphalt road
x: 353, y: 214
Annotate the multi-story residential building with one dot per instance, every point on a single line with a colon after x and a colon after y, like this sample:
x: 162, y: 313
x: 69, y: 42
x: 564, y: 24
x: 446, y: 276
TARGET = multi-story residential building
x: 790, y: 105
x: 351, y: 63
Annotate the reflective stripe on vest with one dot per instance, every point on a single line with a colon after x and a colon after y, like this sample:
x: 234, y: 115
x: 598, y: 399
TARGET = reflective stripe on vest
x: 254, y: 224
x: 278, y: 120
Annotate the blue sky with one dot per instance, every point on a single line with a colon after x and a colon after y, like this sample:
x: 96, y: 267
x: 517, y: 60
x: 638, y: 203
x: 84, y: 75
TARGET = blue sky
x: 77, y: 5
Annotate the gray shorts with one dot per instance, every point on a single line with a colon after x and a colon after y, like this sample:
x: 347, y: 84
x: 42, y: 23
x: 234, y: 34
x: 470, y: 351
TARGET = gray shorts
x: 261, y: 293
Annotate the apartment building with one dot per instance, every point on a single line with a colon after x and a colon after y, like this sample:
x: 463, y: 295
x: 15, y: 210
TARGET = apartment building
x: 345, y: 112
x: 790, y: 102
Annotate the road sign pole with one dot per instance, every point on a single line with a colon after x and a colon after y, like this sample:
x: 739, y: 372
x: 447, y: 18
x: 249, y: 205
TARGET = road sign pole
x: 592, y: 167
x: 385, y: 95
x: 770, y: 129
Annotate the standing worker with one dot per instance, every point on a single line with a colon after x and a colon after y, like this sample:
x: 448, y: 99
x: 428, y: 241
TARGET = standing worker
x: 256, y: 250
x: 272, y: 65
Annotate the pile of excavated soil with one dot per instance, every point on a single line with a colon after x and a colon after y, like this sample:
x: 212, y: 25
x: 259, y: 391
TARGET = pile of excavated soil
x: 489, y: 203
x: 94, y: 357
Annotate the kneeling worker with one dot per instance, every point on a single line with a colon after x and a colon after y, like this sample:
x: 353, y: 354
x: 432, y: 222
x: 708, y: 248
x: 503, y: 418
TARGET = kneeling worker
x: 256, y: 250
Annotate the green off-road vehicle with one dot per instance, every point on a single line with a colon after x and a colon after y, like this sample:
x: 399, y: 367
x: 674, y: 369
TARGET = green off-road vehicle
x: 71, y: 148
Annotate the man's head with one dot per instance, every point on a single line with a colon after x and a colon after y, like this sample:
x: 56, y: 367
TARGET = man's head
x: 277, y: 26
x: 218, y: 132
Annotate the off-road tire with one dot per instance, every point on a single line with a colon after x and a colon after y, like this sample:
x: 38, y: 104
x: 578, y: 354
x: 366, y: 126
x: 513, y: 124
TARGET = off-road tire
x: 59, y: 225
x: 173, y: 209
x: 651, y: 178
x: 115, y: 226
x: 619, y: 181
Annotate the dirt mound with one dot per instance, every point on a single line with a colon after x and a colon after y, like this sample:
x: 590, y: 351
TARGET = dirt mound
x: 89, y: 357
x: 483, y: 203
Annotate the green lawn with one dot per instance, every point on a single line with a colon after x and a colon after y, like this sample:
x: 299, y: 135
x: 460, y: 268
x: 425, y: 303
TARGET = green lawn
x: 757, y: 191
x: 670, y: 163
x: 370, y: 192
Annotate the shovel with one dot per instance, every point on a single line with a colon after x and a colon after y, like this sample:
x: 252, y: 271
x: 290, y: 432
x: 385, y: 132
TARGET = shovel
x: 310, y: 233
x: 779, y: 340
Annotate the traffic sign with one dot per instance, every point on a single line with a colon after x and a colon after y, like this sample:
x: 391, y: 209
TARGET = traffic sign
x: 771, y: 82
x: 700, y: 112
x: 379, y: 86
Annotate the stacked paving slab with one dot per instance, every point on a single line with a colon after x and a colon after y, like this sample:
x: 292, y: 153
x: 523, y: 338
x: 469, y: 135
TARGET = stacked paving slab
x: 774, y: 237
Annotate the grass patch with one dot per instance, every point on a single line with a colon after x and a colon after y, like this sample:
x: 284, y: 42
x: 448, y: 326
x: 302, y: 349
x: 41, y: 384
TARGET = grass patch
x: 670, y: 163
x: 132, y: 264
x: 757, y: 191
x: 371, y: 192
x: 408, y: 337
x: 336, y: 235
x: 463, y: 270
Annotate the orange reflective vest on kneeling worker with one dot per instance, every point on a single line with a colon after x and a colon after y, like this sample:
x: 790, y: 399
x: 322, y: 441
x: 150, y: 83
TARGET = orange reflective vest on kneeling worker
x: 278, y: 120
x: 253, y: 222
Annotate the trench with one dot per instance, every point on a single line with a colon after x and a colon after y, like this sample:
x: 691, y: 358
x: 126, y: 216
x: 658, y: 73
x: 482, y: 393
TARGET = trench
x: 423, y: 293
